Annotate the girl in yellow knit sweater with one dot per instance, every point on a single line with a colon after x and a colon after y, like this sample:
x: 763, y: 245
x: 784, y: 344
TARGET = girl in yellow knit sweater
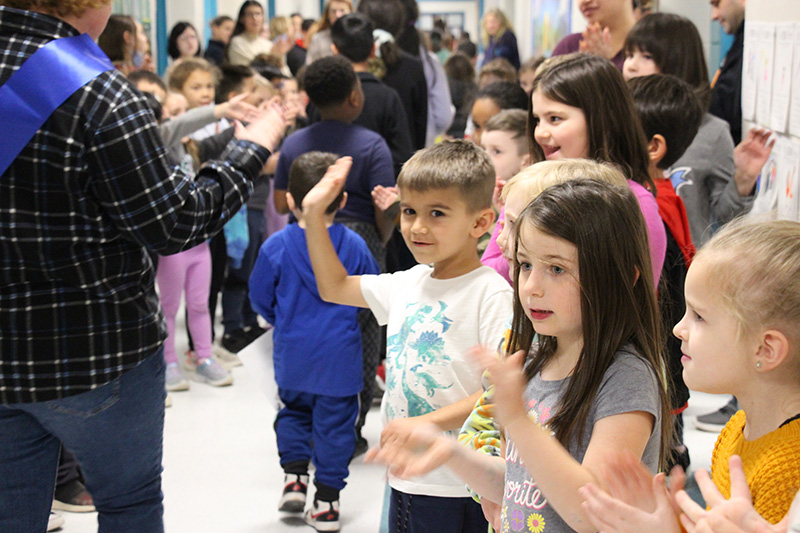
x: 740, y: 335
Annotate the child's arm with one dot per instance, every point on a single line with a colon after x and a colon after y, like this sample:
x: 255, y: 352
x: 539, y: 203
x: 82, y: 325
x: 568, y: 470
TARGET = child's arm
x: 560, y: 475
x: 425, y: 449
x: 263, y: 280
x: 333, y: 283
x: 446, y: 418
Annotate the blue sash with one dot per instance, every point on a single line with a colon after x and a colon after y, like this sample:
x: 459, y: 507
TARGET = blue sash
x: 44, y: 82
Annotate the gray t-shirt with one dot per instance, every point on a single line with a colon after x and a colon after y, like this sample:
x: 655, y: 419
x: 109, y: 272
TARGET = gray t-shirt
x: 628, y: 385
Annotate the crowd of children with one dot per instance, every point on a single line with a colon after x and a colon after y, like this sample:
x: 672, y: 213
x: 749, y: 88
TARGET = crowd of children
x: 547, y: 374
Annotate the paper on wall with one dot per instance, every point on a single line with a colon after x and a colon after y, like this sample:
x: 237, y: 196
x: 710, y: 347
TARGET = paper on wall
x: 767, y: 185
x: 749, y: 70
x: 782, y: 82
x: 765, y: 65
x: 794, y: 114
x: 788, y: 179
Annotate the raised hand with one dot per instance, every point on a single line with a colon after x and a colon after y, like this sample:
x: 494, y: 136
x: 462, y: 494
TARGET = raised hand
x: 596, y: 40
x: 323, y: 193
x: 266, y: 129
x: 735, y: 515
x: 749, y: 157
x: 384, y: 197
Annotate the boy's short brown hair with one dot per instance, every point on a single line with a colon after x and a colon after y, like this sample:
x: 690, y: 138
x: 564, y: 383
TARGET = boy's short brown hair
x: 459, y: 164
x: 62, y: 8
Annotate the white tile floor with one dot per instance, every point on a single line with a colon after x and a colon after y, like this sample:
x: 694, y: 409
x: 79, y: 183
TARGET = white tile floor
x: 221, y: 471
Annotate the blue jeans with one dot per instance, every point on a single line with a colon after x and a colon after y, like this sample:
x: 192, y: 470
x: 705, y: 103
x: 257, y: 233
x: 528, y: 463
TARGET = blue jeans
x: 115, y: 431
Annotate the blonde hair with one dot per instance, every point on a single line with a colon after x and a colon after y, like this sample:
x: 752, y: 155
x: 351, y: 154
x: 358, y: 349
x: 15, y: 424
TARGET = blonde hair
x: 459, y: 164
x: 757, y: 274
x: 535, y: 179
x: 278, y: 26
x: 505, y: 25
x: 61, y: 8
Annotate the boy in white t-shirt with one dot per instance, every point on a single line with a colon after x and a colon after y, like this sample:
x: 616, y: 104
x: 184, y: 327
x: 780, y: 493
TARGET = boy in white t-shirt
x: 435, y: 312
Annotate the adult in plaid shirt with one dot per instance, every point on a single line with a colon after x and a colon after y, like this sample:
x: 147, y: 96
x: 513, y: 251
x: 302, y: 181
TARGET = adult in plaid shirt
x: 81, y: 330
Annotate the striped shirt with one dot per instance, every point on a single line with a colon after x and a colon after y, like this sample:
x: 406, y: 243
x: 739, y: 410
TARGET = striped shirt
x: 80, y: 207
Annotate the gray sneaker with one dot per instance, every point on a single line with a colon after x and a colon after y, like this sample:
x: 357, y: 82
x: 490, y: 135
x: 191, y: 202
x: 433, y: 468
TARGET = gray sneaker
x: 211, y: 372
x: 174, y: 378
x: 714, y: 422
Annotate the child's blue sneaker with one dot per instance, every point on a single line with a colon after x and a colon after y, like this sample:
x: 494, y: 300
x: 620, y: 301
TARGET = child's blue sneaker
x: 211, y: 372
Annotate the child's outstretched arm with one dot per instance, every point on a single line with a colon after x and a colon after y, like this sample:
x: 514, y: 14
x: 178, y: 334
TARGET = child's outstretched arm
x: 560, y: 476
x: 425, y: 449
x: 333, y: 283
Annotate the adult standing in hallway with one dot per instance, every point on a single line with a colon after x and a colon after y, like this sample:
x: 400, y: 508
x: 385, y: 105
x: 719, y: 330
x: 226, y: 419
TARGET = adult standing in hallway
x: 83, y: 198
x: 726, y: 98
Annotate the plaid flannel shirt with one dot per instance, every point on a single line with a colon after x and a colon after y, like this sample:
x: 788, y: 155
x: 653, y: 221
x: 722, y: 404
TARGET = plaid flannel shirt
x: 80, y: 207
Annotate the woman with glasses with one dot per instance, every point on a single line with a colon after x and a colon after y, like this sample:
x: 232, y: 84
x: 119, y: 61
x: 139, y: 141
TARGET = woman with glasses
x: 247, y: 41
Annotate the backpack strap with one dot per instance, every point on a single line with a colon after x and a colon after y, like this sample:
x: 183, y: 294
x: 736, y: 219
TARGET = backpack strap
x: 44, y: 82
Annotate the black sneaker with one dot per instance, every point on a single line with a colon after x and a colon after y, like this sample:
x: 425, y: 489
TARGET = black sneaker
x: 293, y: 499
x: 251, y: 333
x: 323, y: 516
x: 234, y: 341
x: 714, y: 422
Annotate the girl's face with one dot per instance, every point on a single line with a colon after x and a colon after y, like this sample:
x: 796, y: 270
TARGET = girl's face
x: 516, y: 201
x: 492, y: 24
x: 188, y: 43
x: 638, y: 63
x: 253, y: 20
x: 337, y: 10
x: 482, y: 110
x: 526, y: 78
x: 561, y: 129
x: 548, y: 284
x: 714, y: 359
x: 199, y: 89
x: 502, y: 149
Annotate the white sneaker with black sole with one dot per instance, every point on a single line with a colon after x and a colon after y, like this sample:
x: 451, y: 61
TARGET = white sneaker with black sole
x: 295, y: 488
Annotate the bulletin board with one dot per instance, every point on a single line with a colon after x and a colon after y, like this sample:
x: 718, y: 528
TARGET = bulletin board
x: 771, y: 99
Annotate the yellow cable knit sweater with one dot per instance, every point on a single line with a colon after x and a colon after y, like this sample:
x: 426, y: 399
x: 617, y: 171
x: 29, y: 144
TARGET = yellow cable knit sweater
x: 771, y: 465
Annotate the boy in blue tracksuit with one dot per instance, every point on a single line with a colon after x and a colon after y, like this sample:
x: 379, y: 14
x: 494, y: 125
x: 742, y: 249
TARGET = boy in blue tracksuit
x: 317, y: 351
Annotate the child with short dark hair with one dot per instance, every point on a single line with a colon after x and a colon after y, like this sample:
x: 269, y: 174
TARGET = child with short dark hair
x: 434, y: 312
x: 491, y: 100
x: 670, y: 113
x: 334, y: 88
x: 317, y: 350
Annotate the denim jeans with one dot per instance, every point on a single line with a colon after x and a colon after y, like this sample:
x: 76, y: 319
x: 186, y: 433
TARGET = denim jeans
x: 116, y: 433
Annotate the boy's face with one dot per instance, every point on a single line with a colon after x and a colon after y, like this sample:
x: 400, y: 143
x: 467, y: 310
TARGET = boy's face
x: 526, y: 80
x: 502, y: 148
x: 439, y: 229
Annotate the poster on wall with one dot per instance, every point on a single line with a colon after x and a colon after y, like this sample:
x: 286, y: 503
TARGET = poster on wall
x: 550, y: 21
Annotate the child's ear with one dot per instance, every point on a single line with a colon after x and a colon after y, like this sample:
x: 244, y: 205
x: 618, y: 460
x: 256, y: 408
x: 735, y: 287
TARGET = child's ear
x: 343, y: 202
x: 483, y: 222
x: 657, y: 148
x: 773, y: 350
x: 335, y: 50
x: 290, y: 202
x: 526, y: 161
